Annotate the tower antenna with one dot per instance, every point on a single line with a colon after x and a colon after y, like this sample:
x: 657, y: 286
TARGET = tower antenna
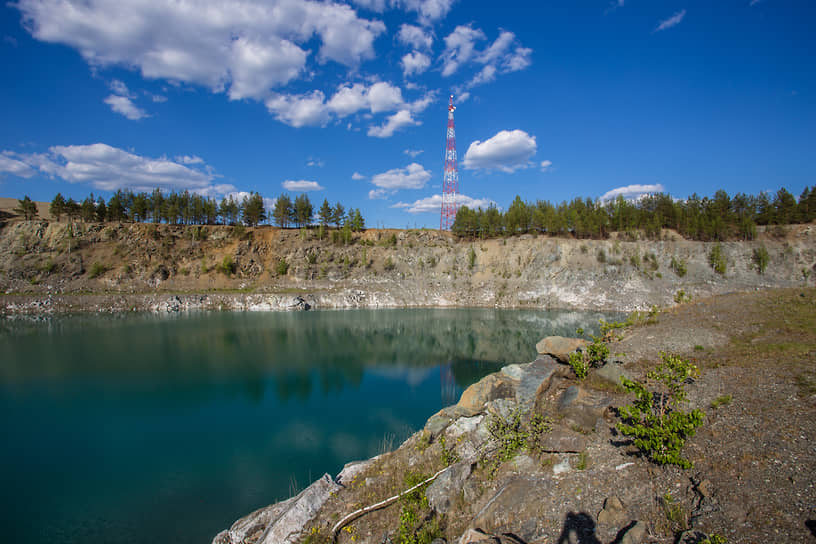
x: 450, y: 183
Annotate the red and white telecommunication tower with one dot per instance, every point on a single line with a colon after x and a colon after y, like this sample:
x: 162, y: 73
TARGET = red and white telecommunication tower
x: 450, y: 184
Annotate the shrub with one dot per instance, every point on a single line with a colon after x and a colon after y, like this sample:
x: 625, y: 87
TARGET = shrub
x: 594, y: 356
x: 227, y: 266
x: 389, y: 264
x: 680, y: 296
x: 579, y: 366
x: 282, y: 267
x: 311, y: 257
x: 716, y: 259
x: 471, y: 258
x: 514, y: 435
x: 679, y: 266
x: 722, y: 400
x: 97, y: 269
x: 656, y: 421
x: 761, y: 259
x: 601, y: 256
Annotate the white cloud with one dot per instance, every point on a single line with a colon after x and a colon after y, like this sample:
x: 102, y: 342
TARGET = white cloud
x: 462, y: 97
x: 357, y: 176
x: 348, y: 100
x: 394, y: 122
x: 415, y: 63
x: 674, y: 20
x: 383, y: 96
x: 299, y: 110
x: 157, y: 98
x: 413, y: 153
x: 301, y: 185
x: 315, y: 162
x: 189, y: 159
x: 125, y: 106
x: 632, y: 192
x: 378, y: 194
x: 429, y: 11
x: 545, y: 165
x: 242, y: 47
x: 498, y: 48
x: 415, y: 36
x: 486, y: 75
x: 433, y: 204
x: 15, y: 167
x: 119, y: 88
x: 519, y: 60
x: 459, y: 47
x: 507, y: 151
x: 413, y: 176
x: 109, y: 168
x: 373, y: 5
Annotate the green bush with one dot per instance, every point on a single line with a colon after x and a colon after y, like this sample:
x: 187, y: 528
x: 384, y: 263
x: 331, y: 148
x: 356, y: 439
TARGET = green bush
x: 761, y: 259
x: 97, y: 269
x: 601, y: 256
x: 514, y: 435
x: 311, y: 257
x: 227, y: 266
x: 389, y: 264
x: 716, y: 259
x: 655, y: 421
x: 471, y: 258
x: 282, y: 267
x: 679, y: 266
x: 680, y: 296
x: 579, y: 366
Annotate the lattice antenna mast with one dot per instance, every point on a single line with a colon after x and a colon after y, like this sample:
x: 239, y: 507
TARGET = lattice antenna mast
x: 450, y: 184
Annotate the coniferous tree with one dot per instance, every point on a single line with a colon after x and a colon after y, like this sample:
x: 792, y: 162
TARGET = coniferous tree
x: 253, y: 210
x: 325, y: 213
x: 283, y: 211
x: 27, y: 208
x: 338, y: 215
x: 57, y: 207
x: 303, y: 210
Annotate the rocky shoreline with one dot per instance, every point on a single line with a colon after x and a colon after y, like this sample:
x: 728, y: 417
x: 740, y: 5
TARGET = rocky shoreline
x: 583, y: 481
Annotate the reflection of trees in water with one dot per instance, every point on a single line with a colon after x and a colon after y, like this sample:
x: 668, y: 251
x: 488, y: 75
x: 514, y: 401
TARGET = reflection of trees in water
x: 299, y: 351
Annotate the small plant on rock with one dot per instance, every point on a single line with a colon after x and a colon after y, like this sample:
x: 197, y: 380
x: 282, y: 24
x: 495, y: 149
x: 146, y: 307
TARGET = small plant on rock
x: 679, y: 266
x: 282, y: 268
x: 716, y: 258
x: 655, y: 421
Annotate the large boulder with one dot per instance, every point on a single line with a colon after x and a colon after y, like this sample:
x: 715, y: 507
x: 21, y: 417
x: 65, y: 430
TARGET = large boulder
x: 491, y: 387
x: 448, y: 486
x: 560, y: 347
x: 281, y: 523
x: 580, y: 408
x: 513, y: 505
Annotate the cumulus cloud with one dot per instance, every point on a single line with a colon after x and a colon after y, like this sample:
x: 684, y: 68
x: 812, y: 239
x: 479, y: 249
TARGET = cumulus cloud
x: 357, y: 176
x: 119, y: 88
x: 242, y: 47
x: 125, y: 106
x: 674, y: 20
x: 315, y: 162
x: 299, y: 110
x: 460, y: 46
x: 413, y: 176
x: 545, y: 165
x: 433, y: 204
x: 415, y: 36
x: 415, y: 63
x: 394, y: 122
x: 301, y: 185
x: 109, y: 168
x: 509, y: 150
x: 413, y: 152
x: 632, y: 192
x: 13, y: 166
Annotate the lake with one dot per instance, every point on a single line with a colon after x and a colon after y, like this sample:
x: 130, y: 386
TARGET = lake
x: 142, y: 428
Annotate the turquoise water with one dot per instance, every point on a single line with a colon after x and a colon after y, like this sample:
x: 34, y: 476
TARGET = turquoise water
x: 146, y: 428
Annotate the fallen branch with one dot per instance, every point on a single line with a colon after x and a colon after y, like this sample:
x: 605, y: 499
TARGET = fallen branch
x: 382, y: 504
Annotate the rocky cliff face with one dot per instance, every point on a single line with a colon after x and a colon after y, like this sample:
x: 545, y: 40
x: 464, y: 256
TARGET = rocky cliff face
x: 267, y: 268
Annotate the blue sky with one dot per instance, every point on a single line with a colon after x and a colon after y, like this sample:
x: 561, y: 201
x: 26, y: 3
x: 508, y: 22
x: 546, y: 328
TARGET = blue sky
x: 349, y: 100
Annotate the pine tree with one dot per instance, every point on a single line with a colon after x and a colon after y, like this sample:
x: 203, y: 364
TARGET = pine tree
x: 57, y: 207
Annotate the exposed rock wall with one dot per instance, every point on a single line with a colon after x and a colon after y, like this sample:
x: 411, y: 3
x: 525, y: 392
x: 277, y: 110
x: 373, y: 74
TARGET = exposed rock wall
x: 273, y: 269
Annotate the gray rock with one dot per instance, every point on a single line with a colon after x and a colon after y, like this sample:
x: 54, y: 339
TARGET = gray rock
x: 612, y: 372
x: 281, y: 523
x: 445, y: 489
x: 352, y: 469
x: 562, y: 440
x: 510, y: 506
x: 560, y: 347
x: 582, y: 408
x: 634, y: 534
x: 613, y: 513
x: 691, y: 537
x: 536, y: 377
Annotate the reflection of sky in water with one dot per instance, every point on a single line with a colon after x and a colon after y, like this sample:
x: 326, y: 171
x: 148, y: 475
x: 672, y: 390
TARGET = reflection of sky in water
x: 122, y: 428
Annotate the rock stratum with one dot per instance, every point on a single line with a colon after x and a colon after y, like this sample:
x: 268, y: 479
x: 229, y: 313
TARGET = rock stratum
x: 53, y: 267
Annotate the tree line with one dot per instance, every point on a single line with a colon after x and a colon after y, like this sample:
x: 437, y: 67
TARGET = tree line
x: 186, y: 208
x: 708, y: 219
